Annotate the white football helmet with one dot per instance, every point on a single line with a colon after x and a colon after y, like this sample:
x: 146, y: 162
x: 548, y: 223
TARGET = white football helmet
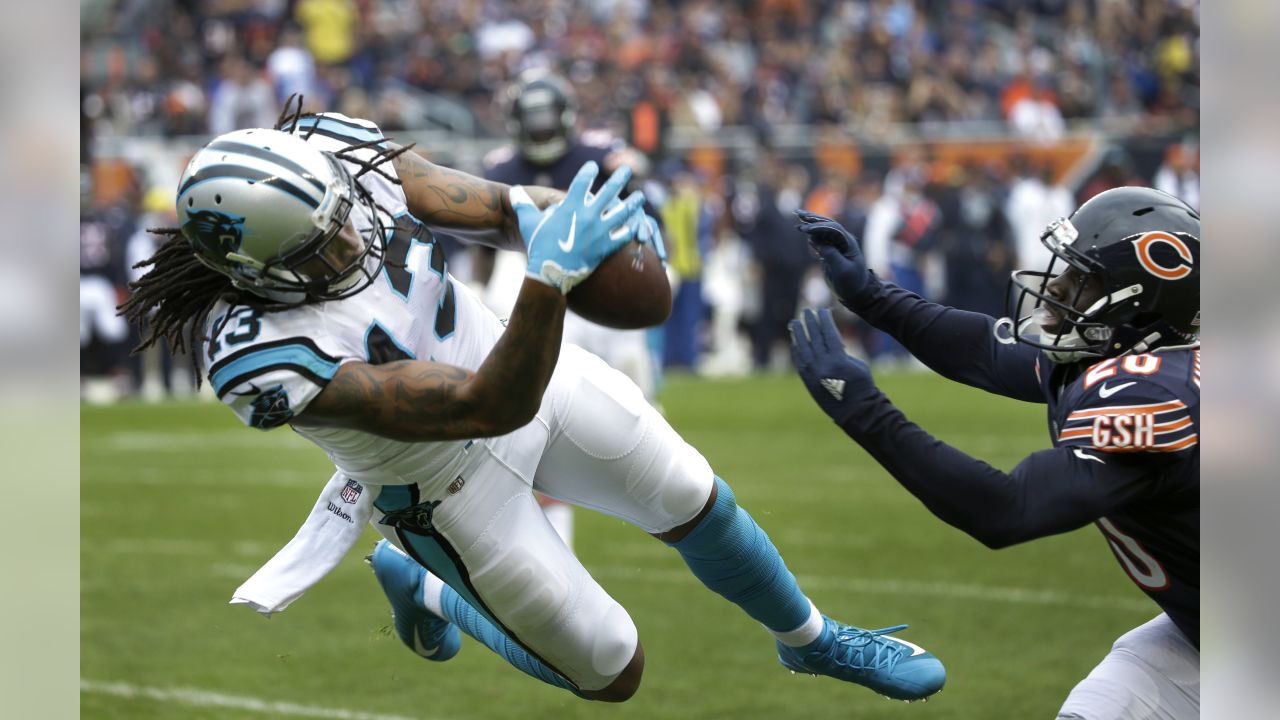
x: 267, y: 209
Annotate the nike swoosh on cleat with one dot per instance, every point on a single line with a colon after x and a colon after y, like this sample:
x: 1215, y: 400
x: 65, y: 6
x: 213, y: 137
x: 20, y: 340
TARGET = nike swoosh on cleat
x: 835, y: 387
x: 425, y: 652
x: 567, y: 244
x: 915, y: 649
x: 1105, y: 392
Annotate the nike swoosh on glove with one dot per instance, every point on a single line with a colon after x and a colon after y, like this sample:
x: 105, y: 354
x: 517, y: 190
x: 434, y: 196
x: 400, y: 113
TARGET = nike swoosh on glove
x: 839, y: 254
x: 842, y: 385
x: 568, y: 241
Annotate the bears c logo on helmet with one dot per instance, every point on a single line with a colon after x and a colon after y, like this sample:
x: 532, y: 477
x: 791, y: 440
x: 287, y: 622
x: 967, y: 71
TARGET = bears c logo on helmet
x: 1147, y: 245
x: 213, y: 232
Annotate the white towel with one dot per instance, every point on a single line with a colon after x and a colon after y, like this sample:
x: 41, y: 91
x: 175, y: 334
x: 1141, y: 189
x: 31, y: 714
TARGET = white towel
x: 330, y: 531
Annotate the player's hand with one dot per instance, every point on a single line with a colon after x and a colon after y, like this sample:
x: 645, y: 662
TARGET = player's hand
x: 840, y: 255
x: 841, y: 384
x: 569, y: 240
x: 651, y: 233
x: 648, y: 231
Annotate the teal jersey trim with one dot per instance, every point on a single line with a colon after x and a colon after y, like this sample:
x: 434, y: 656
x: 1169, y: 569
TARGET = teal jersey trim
x: 338, y: 129
x: 252, y: 362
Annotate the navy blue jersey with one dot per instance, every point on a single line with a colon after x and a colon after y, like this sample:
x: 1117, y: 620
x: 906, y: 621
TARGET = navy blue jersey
x: 507, y: 165
x: 1146, y: 410
x: 1125, y: 455
x: 102, y: 240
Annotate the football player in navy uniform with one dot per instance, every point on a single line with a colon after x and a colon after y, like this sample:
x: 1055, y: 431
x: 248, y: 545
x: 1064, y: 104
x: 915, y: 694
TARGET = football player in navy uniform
x: 103, y: 334
x: 1111, y: 345
x: 306, y: 280
x: 547, y: 149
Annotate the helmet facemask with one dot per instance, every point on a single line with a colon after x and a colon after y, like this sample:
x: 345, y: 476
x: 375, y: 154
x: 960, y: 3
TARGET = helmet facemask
x: 321, y: 267
x: 1086, y: 325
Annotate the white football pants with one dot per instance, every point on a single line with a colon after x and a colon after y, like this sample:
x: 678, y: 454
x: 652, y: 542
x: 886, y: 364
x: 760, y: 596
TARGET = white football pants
x: 1151, y: 673
x: 595, y: 443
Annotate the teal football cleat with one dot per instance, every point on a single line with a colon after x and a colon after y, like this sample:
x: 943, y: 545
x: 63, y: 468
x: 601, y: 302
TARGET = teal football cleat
x: 892, y: 667
x: 400, y: 576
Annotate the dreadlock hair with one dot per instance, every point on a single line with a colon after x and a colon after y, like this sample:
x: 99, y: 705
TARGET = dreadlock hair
x: 173, y: 300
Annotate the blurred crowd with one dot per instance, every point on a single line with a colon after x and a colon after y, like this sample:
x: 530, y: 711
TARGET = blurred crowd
x: 950, y: 232
x: 155, y: 67
x: 948, y: 229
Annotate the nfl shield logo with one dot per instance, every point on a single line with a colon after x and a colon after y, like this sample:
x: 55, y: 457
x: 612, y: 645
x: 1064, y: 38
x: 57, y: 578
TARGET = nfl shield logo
x: 351, y: 492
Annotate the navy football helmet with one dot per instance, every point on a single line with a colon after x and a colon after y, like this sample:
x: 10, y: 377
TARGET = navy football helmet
x: 542, y: 115
x: 1138, y: 251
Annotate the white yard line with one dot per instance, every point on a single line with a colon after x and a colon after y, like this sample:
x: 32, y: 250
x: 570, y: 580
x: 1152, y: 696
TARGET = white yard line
x: 208, y: 698
x: 180, y: 547
x: 182, y: 441
x: 138, y: 475
x: 897, y: 586
x: 636, y: 571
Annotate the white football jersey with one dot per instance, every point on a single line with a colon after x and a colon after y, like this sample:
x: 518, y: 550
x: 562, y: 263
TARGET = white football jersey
x: 268, y: 366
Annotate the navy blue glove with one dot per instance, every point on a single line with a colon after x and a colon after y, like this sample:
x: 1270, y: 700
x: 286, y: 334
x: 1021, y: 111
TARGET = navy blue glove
x: 842, y: 385
x: 840, y: 256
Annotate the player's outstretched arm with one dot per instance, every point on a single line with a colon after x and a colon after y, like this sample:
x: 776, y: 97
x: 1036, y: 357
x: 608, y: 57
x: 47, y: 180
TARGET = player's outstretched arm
x: 956, y: 344
x: 418, y: 400
x: 463, y: 205
x: 1052, y: 491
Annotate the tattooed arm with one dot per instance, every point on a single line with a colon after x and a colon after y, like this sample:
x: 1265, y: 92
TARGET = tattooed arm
x: 416, y: 400
x: 463, y: 205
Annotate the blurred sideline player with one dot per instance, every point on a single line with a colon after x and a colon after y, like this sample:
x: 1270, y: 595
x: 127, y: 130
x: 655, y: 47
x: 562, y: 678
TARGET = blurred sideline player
x: 542, y: 118
x: 304, y: 279
x: 1113, y: 348
x: 103, y: 334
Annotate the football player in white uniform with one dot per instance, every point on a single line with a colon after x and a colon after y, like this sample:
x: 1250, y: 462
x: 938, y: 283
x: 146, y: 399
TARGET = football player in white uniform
x: 547, y: 149
x: 316, y: 297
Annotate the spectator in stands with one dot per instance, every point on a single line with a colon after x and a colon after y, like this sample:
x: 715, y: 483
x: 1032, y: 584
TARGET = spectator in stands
x: 153, y: 371
x: 291, y: 67
x: 685, y: 235
x: 1115, y: 171
x: 975, y: 241
x: 768, y: 225
x: 901, y: 228
x: 764, y: 63
x: 103, y: 333
x: 1035, y: 199
x: 331, y: 28
x: 1036, y: 116
x: 243, y: 99
x: 1179, y: 175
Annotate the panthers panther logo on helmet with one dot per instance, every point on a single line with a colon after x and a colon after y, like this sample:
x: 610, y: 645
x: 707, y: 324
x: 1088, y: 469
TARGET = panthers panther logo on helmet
x: 267, y: 209
x: 216, y: 232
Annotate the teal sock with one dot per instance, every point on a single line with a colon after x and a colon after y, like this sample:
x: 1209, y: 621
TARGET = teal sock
x: 731, y: 555
x: 471, y: 622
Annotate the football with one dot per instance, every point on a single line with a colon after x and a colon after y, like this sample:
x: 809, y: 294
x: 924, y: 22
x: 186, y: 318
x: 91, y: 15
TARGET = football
x: 629, y: 290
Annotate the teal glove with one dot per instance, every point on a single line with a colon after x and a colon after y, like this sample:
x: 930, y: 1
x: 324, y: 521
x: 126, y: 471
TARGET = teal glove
x: 651, y: 232
x: 568, y: 241
x: 645, y: 229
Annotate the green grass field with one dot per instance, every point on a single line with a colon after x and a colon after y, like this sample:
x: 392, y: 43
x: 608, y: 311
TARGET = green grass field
x: 179, y: 504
